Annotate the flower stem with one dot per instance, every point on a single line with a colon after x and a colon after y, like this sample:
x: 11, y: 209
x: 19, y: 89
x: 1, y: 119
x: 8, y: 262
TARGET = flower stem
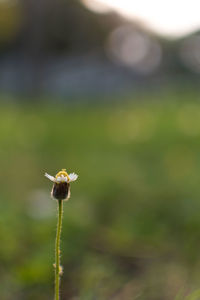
x: 57, y: 254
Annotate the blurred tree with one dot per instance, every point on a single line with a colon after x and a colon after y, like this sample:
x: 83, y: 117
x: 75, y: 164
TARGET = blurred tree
x: 9, y: 22
x: 51, y: 27
x: 64, y: 25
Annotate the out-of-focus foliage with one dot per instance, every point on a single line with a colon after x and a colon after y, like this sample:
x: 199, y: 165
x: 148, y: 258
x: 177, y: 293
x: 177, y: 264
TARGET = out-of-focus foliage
x: 132, y: 226
x: 51, y: 26
x: 9, y: 21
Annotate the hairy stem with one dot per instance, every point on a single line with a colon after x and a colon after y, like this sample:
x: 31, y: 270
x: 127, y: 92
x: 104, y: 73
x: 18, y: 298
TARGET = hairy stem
x: 57, y: 254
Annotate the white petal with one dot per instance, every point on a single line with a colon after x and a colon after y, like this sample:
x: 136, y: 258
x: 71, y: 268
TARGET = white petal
x: 50, y: 177
x: 72, y: 177
x: 61, y: 179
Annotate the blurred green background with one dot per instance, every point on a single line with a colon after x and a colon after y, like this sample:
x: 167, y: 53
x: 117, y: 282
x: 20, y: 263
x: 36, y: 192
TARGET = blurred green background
x: 108, y: 99
x: 131, y: 229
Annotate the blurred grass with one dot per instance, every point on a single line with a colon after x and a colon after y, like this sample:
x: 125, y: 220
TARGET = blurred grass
x: 132, y: 226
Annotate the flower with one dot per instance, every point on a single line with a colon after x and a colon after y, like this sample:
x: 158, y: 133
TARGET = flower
x: 61, y: 187
x: 62, y: 176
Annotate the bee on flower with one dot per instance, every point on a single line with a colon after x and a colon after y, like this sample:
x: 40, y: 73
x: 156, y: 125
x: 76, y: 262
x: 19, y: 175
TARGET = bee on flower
x: 61, y: 187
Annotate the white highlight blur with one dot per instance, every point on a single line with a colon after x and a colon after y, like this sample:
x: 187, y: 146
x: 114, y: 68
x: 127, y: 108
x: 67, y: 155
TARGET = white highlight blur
x: 134, y: 49
x: 96, y: 6
x: 172, y: 18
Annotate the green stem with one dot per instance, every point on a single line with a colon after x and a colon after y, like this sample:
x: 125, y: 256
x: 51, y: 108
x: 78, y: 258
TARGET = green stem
x: 57, y: 255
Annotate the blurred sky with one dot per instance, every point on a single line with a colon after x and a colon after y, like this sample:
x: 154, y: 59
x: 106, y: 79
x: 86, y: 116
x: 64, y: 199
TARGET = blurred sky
x: 172, y: 18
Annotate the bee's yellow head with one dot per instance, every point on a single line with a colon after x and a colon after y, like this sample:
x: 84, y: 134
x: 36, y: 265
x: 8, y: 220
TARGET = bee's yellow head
x: 62, y: 173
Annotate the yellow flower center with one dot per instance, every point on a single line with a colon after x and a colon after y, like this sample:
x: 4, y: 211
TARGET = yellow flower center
x: 62, y: 172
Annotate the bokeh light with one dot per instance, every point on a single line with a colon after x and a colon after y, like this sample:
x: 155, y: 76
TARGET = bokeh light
x: 134, y: 49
